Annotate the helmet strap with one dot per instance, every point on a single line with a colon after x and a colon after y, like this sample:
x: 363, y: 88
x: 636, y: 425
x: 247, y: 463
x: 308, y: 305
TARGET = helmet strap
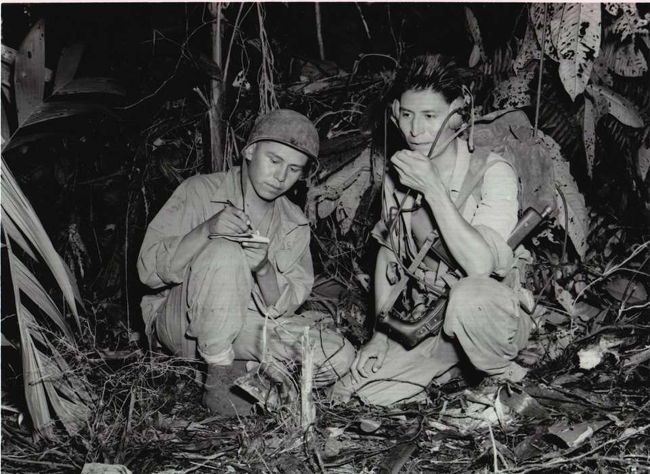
x: 244, y: 180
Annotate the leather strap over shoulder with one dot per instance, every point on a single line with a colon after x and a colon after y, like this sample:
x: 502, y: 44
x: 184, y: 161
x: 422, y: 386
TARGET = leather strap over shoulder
x: 478, y: 166
x: 477, y: 169
x: 399, y: 287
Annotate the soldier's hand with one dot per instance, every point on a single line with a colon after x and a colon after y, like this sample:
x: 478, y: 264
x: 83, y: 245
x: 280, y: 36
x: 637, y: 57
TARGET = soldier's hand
x: 370, y: 357
x: 416, y: 171
x: 228, y: 221
x: 257, y: 255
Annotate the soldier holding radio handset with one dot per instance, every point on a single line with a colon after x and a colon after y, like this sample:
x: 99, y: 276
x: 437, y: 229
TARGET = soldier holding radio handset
x: 484, y: 328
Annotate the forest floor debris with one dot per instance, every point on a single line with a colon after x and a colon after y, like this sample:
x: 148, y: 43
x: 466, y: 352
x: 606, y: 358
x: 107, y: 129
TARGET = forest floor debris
x: 562, y: 417
x: 584, y: 407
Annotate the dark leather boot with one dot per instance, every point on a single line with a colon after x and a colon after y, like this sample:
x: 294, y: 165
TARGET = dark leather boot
x: 218, y: 395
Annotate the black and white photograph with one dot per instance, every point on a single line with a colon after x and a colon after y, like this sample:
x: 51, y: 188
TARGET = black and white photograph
x: 325, y: 237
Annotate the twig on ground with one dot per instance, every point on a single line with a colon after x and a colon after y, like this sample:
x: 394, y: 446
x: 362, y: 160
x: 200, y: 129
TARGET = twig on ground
x: 17, y: 460
x: 210, y: 457
x: 127, y: 428
x: 495, y: 460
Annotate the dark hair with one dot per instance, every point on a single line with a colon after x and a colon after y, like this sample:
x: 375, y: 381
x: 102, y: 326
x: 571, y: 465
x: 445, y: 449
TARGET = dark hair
x: 432, y: 71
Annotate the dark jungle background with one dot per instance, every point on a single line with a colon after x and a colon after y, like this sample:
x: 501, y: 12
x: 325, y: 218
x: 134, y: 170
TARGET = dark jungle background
x: 155, y: 93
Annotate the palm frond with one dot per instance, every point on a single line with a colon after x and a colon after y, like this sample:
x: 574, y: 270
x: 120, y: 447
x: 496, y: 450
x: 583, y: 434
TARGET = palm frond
x: 17, y: 208
x: 18, y: 236
x: 34, y: 388
x: 49, y: 380
x: 30, y: 83
x: 50, y: 384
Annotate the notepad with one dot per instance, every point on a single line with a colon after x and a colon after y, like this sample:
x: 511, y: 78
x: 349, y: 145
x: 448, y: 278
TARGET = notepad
x: 255, y: 238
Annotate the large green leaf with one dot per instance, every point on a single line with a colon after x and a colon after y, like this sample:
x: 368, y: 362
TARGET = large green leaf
x: 6, y: 68
x: 475, y: 31
x: 34, y: 289
x: 6, y: 93
x: 66, y: 392
x: 600, y: 72
x: 539, y: 19
x: 529, y: 51
x: 629, y: 61
x: 26, y: 137
x: 49, y: 382
x: 578, y: 44
x: 29, y: 72
x: 643, y: 162
x: 6, y: 343
x: 342, y: 190
x: 58, y: 110
x: 630, y: 22
x: 8, y: 58
x: 17, y: 235
x: 6, y: 133
x: 599, y: 102
x: 577, y: 224
x: 514, y: 92
x: 618, y: 106
x: 18, y: 208
x: 51, y: 387
x: 71, y: 411
x: 91, y: 85
x: 30, y: 322
x: 34, y: 390
x: 68, y: 64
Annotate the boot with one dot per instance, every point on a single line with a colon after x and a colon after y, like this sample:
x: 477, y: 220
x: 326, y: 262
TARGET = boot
x: 270, y: 386
x: 218, y: 395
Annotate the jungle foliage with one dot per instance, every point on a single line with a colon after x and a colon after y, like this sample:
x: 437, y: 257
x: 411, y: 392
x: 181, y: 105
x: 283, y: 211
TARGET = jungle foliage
x: 98, y: 156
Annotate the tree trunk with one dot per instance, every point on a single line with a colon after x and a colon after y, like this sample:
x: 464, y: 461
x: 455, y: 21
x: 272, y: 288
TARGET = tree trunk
x: 319, y: 32
x: 216, y: 136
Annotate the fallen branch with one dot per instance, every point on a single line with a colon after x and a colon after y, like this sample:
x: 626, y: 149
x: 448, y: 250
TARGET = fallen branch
x: 307, y: 408
x: 554, y: 463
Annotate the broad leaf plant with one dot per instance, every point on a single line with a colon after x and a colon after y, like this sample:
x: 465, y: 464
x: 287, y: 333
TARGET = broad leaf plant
x: 54, y: 391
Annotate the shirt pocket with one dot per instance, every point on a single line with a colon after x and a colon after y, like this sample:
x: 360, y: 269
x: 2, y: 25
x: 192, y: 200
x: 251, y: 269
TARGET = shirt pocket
x: 284, y: 257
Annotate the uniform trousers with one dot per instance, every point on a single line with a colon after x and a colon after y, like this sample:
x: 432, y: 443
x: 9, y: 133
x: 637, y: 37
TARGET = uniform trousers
x: 484, y: 326
x: 213, y: 314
